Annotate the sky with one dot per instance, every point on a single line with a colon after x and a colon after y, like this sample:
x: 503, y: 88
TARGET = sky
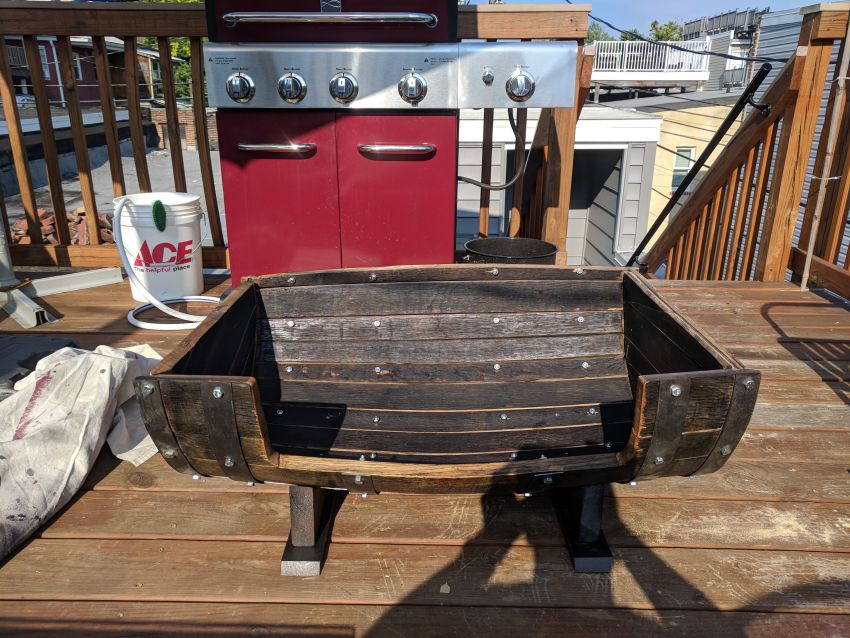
x: 630, y: 13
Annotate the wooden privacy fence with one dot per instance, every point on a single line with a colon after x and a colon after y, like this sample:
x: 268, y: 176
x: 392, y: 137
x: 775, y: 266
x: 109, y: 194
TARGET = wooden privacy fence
x: 739, y: 221
x: 163, y: 22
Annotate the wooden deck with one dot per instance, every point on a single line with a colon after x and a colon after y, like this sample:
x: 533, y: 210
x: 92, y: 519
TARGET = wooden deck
x: 761, y: 548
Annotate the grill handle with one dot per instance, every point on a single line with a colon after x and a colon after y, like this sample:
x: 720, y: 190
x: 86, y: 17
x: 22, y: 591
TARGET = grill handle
x: 397, y: 149
x: 235, y: 18
x: 278, y: 148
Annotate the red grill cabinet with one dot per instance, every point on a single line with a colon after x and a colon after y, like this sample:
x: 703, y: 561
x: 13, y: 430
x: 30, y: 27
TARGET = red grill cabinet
x: 337, y: 204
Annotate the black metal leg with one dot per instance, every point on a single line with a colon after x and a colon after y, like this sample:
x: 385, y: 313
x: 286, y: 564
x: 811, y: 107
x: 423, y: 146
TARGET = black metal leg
x: 311, y: 510
x: 580, y: 514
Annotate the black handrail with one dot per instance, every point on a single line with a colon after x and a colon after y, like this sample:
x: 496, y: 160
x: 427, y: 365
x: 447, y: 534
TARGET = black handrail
x: 745, y: 99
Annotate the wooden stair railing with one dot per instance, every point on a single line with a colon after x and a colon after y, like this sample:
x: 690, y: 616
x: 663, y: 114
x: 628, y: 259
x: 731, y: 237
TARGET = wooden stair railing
x: 739, y: 221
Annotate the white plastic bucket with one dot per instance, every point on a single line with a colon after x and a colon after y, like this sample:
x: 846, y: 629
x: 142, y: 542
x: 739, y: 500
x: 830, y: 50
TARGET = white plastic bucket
x: 168, y: 262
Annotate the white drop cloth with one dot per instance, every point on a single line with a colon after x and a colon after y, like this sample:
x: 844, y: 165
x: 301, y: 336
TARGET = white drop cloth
x: 54, y: 426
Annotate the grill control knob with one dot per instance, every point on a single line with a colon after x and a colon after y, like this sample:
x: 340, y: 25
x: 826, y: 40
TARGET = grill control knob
x: 292, y: 88
x: 412, y: 88
x: 343, y: 88
x: 520, y: 86
x: 240, y: 87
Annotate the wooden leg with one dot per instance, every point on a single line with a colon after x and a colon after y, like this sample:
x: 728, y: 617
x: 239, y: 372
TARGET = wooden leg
x: 580, y: 512
x: 311, y: 511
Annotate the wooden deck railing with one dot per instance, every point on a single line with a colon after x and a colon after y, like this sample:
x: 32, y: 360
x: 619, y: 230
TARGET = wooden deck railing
x: 739, y: 221
x: 166, y: 21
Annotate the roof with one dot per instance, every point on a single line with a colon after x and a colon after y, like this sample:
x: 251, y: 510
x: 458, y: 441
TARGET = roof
x: 674, y: 101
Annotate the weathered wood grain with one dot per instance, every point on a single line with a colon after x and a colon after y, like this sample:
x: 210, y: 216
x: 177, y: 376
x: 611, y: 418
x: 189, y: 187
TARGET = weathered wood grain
x: 247, y: 572
x: 446, y: 297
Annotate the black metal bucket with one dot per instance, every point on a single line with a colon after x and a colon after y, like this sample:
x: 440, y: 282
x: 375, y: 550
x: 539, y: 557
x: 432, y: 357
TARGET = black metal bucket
x: 510, y: 250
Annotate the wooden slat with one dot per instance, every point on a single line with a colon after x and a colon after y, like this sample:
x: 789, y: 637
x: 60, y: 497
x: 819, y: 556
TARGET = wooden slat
x: 95, y: 256
x: 741, y: 215
x: 446, y: 350
x: 690, y: 240
x: 48, y: 139
x: 19, y: 150
x: 729, y: 579
x: 722, y: 249
x: 434, y: 297
x: 512, y: 21
x: 765, y: 159
x: 676, y: 271
x: 518, y: 371
x: 172, y: 125
x: 828, y: 25
x: 199, y: 113
x: 445, y: 326
x: 134, y: 109
x: 78, y: 134
x: 794, y: 149
x: 519, y: 161
x: 822, y: 273
x: 711, y: 235
x: 699, y: 243
x: 83, y: 619
x: 107, y: 106
x: 486, y: 174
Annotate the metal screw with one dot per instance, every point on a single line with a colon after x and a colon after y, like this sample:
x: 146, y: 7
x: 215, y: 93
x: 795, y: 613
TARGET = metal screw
x: 749, y: 384
x: 513, y: 456
x: 496, y: 320
x: 580, y: 319
x: 542, y: 457
x: 362, y: 458
x: 585, y: 365
x: 279, y: 412
x: 497, y: 367
x: 579, y: 271
x: 494, y: 272
x: 196, y: 477
x: 676, y: 390
x: 147, y: 389
x: 376, y: 323
x: 377, y: 370
x: 290, y: 281
x: 547, y: 480
x: 290, y: 323
x: 658, y: 460
x: 527, y: 495
x: 373, y: 277
x: 726, y: 450
x: 592, y: 411
x: 289, y: 369
x: 228, y: 461
x: 364, y: 494
x: 609, y: 445
x: 168, y: 453
x: 217, y: 392
x: 633, y: 483
x: 373, y: 455
x: 358, y: 480
x: 503, y: 416
x: 376, y: 419
x: 250, y: 483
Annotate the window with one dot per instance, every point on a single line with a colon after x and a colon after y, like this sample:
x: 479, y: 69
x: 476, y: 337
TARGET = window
x: 682, y: 162
x: 78, y: 67
x: 45, y: 64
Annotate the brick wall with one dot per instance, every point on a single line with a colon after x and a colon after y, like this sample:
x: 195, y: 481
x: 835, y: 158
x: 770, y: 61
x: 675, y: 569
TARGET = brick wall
x: 186, y: 122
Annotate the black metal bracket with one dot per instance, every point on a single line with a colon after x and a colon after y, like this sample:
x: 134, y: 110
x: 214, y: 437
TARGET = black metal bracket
x: 764, y: 108
x: 580, y: 514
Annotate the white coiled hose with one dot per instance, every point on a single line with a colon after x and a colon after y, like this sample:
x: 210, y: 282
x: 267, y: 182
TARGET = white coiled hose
x: 187, y: 321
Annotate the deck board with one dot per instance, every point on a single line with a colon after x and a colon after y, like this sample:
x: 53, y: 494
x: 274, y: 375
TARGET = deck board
x: 148, y: 551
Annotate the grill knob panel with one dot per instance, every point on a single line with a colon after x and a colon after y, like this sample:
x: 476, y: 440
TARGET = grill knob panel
x: 412, y: 88
x: 520, y: 86
x: 240, y: 87
x: 292, y: 88
x: 343, y: 88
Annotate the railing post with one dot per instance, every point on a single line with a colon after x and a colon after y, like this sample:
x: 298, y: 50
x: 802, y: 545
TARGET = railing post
x: 792, y: 156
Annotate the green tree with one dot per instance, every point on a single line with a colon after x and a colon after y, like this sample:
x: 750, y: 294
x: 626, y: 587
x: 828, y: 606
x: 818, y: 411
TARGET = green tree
x: 180, y: 48
x: 667, y: 31
x: 595, y: 32
x: 631, y: 34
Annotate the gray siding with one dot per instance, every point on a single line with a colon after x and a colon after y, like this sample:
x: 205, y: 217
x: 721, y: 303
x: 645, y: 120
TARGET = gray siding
x: 594, y: 204
x: 717, y: 65
x: 469, y: 196
x: 637, y: 187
